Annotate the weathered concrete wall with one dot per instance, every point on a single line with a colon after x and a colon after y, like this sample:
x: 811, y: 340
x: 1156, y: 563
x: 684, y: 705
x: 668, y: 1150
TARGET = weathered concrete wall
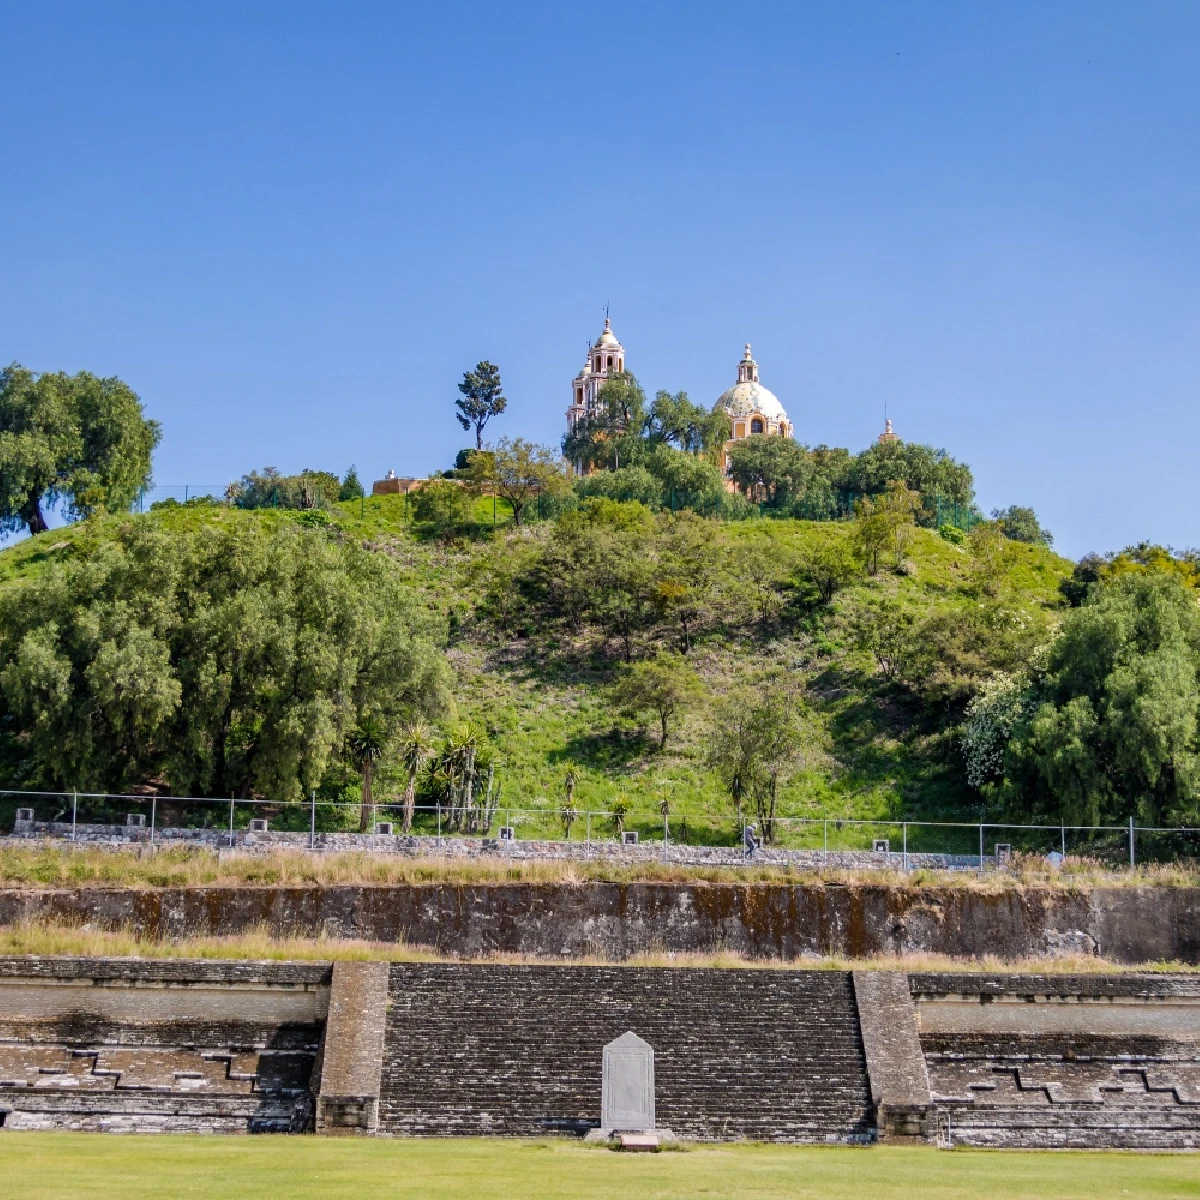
x: 1125, y: 924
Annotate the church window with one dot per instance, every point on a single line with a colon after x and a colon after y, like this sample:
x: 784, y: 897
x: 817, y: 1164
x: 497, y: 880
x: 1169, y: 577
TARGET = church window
x: 610, y: 362
x: 579, y: 395
x: 756, y: 426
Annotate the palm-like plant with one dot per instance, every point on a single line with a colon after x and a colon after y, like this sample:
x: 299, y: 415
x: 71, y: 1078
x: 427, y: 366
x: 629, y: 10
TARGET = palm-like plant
x: 367, y: 744
x: 416, y: 747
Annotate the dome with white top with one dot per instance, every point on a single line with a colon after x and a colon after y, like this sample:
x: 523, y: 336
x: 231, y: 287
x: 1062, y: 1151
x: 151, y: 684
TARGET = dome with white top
x: 753, y: 407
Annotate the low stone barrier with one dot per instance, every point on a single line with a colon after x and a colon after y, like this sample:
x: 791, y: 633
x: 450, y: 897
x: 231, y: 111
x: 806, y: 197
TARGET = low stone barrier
x: 525, y: 850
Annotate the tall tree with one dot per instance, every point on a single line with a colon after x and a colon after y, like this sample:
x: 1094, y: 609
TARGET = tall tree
x: 759, y: 736
x: 416, y: 749
x: 77, y: 438
x: 482, y: 399
x: 1112, y: 720
x: 770, y: 469
x: 223, y: 661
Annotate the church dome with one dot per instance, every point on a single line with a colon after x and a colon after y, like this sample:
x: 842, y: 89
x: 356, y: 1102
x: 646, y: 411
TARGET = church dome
x: 748, y: 397
x: 745, y: 398
x: 607, y: 338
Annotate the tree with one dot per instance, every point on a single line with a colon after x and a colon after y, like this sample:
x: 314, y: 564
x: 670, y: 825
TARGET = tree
x: 268, y: 488
x: 441, y: 505
x: 664, y: 685
x: 218, y: 661
x: 73, y: 437
x: 482, y: 399
x: 687, y: 481
x: 627, y: 483
x: 416, y: 747
x: 520, y: 471
x: 770, y: 469
x: 686, y: 573
x: 1113, y: 716
x: 351, y: 488
x: 922, y: 469
x: 366, y: 745
x: 756, y: 739
x: 831, y: 565
x: 886, y: 522
x: 885, y: 630
x: 1022, y: 525
x: 613, y: 435
x: 992, y: 556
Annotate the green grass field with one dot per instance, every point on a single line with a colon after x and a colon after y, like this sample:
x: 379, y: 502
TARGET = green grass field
x: 47, y: 1166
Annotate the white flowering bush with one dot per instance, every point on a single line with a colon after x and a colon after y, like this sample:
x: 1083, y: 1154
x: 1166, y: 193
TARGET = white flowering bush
x: 991, y: 718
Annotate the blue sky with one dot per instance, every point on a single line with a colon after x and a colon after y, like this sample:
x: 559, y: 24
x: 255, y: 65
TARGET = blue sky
x: 291, y: 227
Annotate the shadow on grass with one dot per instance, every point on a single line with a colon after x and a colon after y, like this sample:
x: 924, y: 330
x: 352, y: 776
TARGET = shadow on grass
x: 604, y: 751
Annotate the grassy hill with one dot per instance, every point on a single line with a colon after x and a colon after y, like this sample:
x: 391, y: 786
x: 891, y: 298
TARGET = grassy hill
x: 885, y: 748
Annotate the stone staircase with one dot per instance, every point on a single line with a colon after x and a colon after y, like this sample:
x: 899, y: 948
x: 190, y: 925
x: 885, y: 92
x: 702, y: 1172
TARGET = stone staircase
x: 1081, y: 1091
x: 516, y: 1050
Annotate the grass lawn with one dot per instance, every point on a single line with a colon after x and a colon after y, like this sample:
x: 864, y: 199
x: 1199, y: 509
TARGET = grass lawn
x: 46, y: 1166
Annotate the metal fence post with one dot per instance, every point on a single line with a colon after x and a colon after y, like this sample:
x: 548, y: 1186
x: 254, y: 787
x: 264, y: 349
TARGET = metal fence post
x: 825, y: 851
x: 312, y: 821
x: 906, y: 845
x: 589, y: 827
x: 1132, y: 856
x: 981, y: 847
x: 1063, y: 831
x: 153, y: 811
x: 231, y: 822
x: 74, y: 808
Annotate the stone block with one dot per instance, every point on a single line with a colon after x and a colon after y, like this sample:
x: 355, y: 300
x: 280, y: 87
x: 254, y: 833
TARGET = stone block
x: 627, y: 1089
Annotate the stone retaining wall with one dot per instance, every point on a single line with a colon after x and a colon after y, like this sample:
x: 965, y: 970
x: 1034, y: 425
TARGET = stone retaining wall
x: 616, y: 921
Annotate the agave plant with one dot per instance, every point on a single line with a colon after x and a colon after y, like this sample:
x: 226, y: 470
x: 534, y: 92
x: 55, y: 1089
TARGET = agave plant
x: 416, y: 748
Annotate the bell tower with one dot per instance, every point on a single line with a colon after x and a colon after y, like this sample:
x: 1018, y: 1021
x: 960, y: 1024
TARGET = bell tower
x: 606, y: 359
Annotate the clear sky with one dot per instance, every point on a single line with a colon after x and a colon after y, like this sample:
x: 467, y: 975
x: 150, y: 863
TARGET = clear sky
x: 291, y: 227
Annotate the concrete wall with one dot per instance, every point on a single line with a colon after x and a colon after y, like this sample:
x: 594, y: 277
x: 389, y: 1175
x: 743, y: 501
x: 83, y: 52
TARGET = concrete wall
x: 1124, y: 924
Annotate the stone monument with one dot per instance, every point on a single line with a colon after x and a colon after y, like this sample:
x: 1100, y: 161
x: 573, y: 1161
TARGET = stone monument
x: 627, y: 1095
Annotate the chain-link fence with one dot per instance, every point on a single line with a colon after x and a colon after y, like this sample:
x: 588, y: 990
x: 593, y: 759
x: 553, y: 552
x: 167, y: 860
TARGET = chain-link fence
x: 89, y: 817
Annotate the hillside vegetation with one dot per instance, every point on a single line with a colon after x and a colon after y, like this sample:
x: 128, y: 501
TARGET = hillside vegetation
x: 536, y: 626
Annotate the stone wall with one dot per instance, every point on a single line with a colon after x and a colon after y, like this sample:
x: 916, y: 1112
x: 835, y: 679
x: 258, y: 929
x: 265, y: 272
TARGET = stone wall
x: 521, y: 850
x: 1063, y: 1061
x: 616, y: 921
x: 440, y: 1048
x: 513, y: 1050
x: 119, y: 1045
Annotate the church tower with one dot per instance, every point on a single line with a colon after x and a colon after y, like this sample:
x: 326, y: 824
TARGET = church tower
x: 605, y: 359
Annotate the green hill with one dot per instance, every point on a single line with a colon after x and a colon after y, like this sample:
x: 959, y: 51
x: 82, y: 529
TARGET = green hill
x: 883, y: 668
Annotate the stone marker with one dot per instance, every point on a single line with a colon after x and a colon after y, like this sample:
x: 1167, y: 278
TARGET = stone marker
x: 627, y: 1091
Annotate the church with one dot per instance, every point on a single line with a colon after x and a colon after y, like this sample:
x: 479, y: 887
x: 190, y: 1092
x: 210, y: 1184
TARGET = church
x: 752, y: 408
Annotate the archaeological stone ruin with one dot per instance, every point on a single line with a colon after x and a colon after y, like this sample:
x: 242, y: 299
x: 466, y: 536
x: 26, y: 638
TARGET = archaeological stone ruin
x: 779, y: 1054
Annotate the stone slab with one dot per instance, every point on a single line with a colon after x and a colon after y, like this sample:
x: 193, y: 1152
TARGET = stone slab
x: 627, y: 1086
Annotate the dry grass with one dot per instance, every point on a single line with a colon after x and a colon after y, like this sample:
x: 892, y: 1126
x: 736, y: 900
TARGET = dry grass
x: 39, y: 865
x: 80, y: 941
